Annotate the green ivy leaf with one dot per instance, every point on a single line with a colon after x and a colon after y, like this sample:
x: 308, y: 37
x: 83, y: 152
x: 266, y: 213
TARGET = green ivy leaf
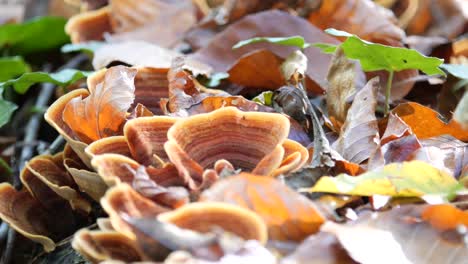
x: 12, y: 67
x: 265, y: 98
x: 214, y: 80
x: 36, y: 35
x: 374, y: 57
x: 295, y: 41
x: 6, y: 110
x: 61, y: 78
x: 457, y: 70
x: 86, y: 47
x: 325, y: 47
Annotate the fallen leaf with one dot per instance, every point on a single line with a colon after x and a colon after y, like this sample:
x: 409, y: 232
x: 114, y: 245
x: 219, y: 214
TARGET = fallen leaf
x: 220, y: 56
x: 361, y: 17
x: 359, y: 136
x: 360, y: 243
x: 134, y: 53
x: 424, y: 122
x: 407, y: 179
x: 289, y: 215
x: 444, y: 152
x: 257, y: 69
x: 159, y: 22
x: 445, y: 216
x: 401, y: 149
x: 395, y: 129
x: 103, y: 112
x: 341, y: 77
x: 461, y: 112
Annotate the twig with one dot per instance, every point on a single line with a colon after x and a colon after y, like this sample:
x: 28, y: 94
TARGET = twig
x: 56, y: 145
x: 31, y: 131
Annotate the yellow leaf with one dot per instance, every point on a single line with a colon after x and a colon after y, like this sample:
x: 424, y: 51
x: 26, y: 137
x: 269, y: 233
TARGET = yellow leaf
x: 408, y: 179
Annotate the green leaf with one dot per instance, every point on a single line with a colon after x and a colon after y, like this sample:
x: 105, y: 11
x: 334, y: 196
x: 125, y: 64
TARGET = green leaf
x: 265, y: 98
x: 374, y: 57
x: 214, y: 79
x: 61, y: 78
x: 36, y: 35
x: 457, y: 70
x: 407, y: 179
x: 6, y: 110
x: 86, y: 47
x: 325, y: 47
x: 12, y: 67
x: 295, y: 41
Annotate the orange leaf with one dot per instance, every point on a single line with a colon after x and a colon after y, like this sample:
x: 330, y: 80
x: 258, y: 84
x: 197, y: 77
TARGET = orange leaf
x: 102, y: 113
x: 424, y: 122
x: 445, y: 216
x: 289, y: 215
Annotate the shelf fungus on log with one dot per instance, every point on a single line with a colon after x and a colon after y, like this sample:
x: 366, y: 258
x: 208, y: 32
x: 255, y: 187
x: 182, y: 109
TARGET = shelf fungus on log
x: 250, y: 141
x: 203, y: 217
x: 288, y: 215
x: 51, y: 171
x: 36, y: 212
x: 88, y: 181
x: 122, y: 202
x: 98, y: 246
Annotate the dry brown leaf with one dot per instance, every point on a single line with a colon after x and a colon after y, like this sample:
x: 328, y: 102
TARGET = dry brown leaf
x: 103, y: 112
x: 257, y: 69
x: 359, y: 136
x: 445, y: 216
x: 341, y: 78
x: 396, y: 128
x: 289, y: 215
x: 424, y: 122
x: 219, y: 54
x: 361, y: 17
x: 135, y: 53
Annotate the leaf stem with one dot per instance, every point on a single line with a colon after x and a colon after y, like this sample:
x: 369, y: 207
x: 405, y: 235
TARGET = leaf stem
x: 388, y: 92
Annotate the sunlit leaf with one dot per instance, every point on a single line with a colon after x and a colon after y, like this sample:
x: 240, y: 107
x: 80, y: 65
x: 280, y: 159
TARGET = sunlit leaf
x: 295, y: 41
x: 407, y: 179
x: 325, y: 47
x: 62, y: 78
x: 86, y: 47
x: 374, y: 57
x: 36, y: 35
x: 12, y: 67
x: 103, y: 112
x: 214, y: 80
x: 265, y: 98
x: 425, y: 122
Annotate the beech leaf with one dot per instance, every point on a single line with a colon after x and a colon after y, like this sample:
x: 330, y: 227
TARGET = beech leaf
x: 103, y: 112
x: 359, y: 136
x: 62, y: 78
x: 374, y: 57
x: 407, y: 179
x: 294, y: 41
